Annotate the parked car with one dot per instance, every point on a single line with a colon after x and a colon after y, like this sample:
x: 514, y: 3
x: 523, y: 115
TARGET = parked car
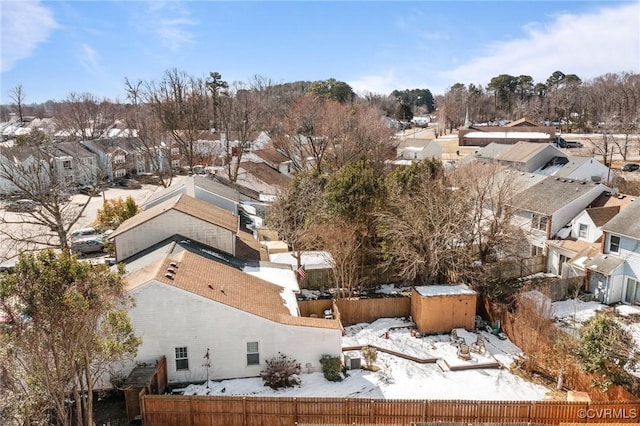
x: 631, y: 167
x: 83, y: 233
x: 127, y: 183
x: 22, y: 206
x: 89, y: 190
x: 574, y: 144
x: 87, y: 245
x: 560, y: 142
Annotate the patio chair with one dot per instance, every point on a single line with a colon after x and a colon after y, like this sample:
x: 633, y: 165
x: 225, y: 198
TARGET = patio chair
x: 478, y: 346
x: 464, y: 352
x: 455, y: 339
x: 328, y: 314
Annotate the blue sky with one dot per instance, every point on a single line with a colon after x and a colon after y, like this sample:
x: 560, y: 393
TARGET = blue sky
x: 54, y: 48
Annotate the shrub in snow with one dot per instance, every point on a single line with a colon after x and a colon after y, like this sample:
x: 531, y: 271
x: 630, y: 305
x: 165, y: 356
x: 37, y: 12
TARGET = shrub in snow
x: 370, y: 355
x: 332, y: 368
x: 281, y: 372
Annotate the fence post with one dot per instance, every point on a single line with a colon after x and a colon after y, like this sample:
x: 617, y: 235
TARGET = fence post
x: 244, y: 410
x: 295, y: 410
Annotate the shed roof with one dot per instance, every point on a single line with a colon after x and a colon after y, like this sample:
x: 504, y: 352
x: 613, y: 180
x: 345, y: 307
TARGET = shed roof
x: 444, y: 290
x: 601, y: 215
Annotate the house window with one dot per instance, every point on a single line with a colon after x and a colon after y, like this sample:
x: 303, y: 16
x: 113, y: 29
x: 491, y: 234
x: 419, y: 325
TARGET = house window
x: 582, y: 231
x: 182, y: 358
x: 175, y: 151
x: 140, y: 168
x: 118, y: 159
x: 120, y: 173
x: 175, y: 164
x: 536, y: 251
x: 66, y: 164
x: 614, y: 244
x: 633, y: 291
x: 539, y: 221
x: 253, y: 356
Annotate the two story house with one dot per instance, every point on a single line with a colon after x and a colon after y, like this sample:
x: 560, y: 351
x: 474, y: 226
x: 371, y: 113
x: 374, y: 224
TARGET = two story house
x: 546, y: 207
x: 614, y: 275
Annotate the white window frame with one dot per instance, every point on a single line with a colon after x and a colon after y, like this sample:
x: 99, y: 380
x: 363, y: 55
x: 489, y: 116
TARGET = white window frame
x: 539, y: 221
x: 66, y: 164
x: 175, y: 151
x: 617, y: 244
x: 120, y: 173
x: 175, y: 164
x: 119, y: 159
x: 536, y: 250
x: 253, y: 353
x: 181, y: 355
x: 582, y: 233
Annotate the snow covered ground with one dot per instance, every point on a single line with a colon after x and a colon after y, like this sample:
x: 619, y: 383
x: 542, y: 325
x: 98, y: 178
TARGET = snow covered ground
x: 400, y: 378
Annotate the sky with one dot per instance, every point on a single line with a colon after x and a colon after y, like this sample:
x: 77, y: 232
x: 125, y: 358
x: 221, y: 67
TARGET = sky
x: 55, y: 48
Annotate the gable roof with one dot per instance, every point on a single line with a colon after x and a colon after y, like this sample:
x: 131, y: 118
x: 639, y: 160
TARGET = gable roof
x: 271, y: 155
x: 187, y: 205
x: 223, y: 284
x: 264, y: 173
x: 626, y: 222
x: 601, y: 215
x: 551, y: 194
x: 521, y: 152
x: 523, y: 122
x: 574, y: 164
x: 189, y: 185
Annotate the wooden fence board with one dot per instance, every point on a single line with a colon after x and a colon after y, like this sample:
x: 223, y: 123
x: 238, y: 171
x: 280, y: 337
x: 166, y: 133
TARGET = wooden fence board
x: 272, y: 411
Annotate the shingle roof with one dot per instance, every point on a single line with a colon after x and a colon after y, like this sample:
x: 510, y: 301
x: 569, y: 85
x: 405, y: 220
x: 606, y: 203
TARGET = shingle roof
x: 188, y: 186
x: 521, y: 151
x: 271, y: 155
x: 226, y: 285
x: 187, y: 205
x: 604, y: 263
x: 574, y: 163
x: 551, y: 194
x: 627, y: 222
x: 266, y: 174
x: 601, y: 215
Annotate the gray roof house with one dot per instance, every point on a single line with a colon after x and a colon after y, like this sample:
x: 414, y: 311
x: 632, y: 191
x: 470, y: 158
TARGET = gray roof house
x: 615, y: 273
x: 544, y: 208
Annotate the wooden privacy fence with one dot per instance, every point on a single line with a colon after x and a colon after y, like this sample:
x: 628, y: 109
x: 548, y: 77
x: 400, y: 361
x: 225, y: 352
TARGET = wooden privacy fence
x: 355, y: 311
x: 272, y: 411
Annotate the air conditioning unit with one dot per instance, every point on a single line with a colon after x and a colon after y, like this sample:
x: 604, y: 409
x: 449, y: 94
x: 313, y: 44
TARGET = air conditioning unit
x: 352, y: 361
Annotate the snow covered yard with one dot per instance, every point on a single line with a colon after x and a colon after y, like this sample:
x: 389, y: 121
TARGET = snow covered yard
x: 400, y: 378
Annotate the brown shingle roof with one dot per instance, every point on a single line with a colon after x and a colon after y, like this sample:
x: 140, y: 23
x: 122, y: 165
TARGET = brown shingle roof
x: 602, y: 215
x: 266, y: 174
x: 187, y: 205
x: 270, y: 155
x: 626, y: 222
x: 521, y: 152
x: 226, y: 285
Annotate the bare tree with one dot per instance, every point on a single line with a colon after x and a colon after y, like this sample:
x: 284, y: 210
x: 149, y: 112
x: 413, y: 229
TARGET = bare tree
x: 138, y: 116
x: 17, y: 95
x: 32, y: 173
x: 181, y: 105
x: 84, y: 116
x: 242, y: 116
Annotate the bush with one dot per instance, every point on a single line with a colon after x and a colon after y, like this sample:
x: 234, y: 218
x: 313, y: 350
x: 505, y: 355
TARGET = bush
x: 332, y: 368
x: 281, y: 372
x: 370, y: 355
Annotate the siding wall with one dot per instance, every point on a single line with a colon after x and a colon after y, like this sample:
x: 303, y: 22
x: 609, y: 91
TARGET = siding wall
x: 166, y: 317
x: 168, y: 224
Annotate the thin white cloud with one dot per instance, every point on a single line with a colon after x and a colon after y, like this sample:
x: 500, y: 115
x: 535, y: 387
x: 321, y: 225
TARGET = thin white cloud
x: 25, y: 25
x: 88, y: 58
x: 170, y: 22
x: 588, y: 45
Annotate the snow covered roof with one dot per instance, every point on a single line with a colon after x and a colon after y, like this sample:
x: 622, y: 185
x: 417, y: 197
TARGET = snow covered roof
x: 507, y: 135
x: 309, y: 259
x: 443, y: 290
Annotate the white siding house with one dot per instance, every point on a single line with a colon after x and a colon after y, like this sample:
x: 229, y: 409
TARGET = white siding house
x: 184, y: 215
x: 187, y: 306
x: 615, y: 274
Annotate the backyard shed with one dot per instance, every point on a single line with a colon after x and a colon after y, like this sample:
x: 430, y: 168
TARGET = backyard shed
x: 152, y: 377
x: 440, y: 308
